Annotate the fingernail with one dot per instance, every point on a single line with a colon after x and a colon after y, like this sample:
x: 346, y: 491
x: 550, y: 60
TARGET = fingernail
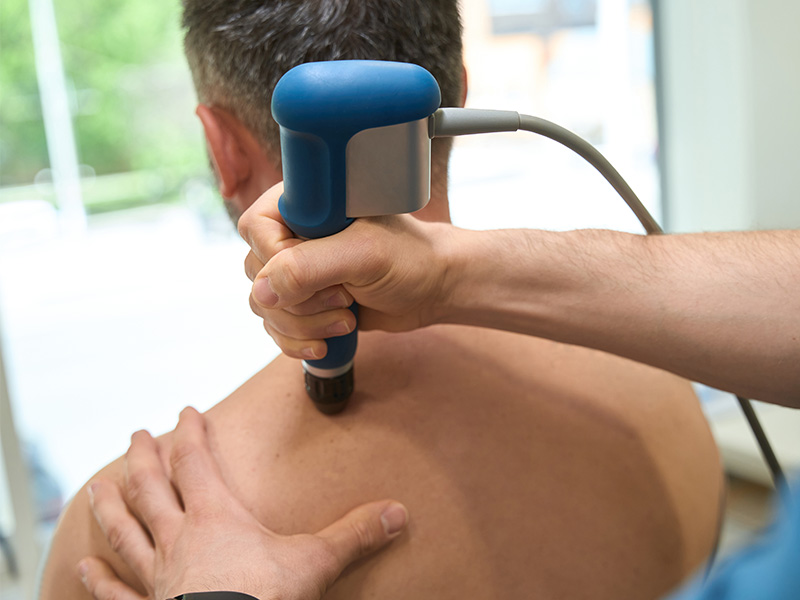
x: 338, y: 300
x: 263, y: 294
x: 309, y: 353
x: 394, y: 518
x: 83, y: 570
x: 339, y: 328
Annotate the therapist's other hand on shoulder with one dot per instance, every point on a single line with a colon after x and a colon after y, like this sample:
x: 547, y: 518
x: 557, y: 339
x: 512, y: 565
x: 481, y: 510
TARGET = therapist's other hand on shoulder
x: 395, y: 268
x: 188, y: 533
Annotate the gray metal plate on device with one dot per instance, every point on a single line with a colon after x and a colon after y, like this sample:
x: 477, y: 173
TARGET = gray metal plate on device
x: 389, y: 170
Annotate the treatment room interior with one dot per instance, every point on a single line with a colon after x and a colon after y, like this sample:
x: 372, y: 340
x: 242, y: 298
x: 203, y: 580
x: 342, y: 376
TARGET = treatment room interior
x: 122, y: 290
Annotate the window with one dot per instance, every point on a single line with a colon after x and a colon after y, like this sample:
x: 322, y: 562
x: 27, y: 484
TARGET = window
x: 541, y: 17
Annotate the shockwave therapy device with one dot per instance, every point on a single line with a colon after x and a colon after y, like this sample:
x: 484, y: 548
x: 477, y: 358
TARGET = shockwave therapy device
x: 356, y: 141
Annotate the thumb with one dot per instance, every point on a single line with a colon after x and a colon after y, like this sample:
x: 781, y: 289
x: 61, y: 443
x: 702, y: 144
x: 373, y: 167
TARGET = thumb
x: 364, y: 530
x: 294, y: 275
x: 353, y: 256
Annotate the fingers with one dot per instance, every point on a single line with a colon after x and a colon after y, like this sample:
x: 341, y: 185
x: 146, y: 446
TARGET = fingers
x: 295, y: 277
x: 319, y: 326
x: 298, y: 348
x: 300, y: 330
x: 124, y: 533
x: 252, y: 265
x: 364, y: 530
x: 194, y: 469
x: 262, y: 227
x: 102, y: 583
x: 328, y: 299
x: 148, y: 491
x: 353, y: 256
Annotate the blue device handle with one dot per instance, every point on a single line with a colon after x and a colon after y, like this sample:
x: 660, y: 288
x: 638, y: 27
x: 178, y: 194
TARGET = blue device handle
x: 320, y: 106
x: 313, y: 205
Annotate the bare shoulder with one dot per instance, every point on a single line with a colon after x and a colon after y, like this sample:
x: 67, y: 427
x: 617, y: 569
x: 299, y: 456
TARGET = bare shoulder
x: 76, y: 537
x: 491, y: 440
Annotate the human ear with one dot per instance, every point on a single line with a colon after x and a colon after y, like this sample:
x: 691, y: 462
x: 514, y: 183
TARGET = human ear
x: 226, y: 148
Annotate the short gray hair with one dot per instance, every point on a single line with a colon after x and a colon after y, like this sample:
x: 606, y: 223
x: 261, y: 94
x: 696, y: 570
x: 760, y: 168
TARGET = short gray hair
x: 239, y: 49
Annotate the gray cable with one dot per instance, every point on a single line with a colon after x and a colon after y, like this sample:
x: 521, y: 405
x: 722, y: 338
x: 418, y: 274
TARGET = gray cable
x: 449, y: 122
x: 597, y: 160
x: 778, y: 477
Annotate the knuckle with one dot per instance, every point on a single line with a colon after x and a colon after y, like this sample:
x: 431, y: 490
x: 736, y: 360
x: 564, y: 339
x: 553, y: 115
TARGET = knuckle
x: 370, y: 259
x: 268, y: 328
x: 273, y: 324
x: 294, y: 268
x: 252, y: 265
x: 372, y: 242
x: 245, y: 224
x: 138, y: 482
x: 182, y: 452
x: 208, y: 513
x: 364, y: 536
x: 299, y: 310
x: 117, y: 537
x: 285, y: 344
x: 288, y: 326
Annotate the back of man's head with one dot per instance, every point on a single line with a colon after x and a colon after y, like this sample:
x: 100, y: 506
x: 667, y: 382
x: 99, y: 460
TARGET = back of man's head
x: 239, y: 49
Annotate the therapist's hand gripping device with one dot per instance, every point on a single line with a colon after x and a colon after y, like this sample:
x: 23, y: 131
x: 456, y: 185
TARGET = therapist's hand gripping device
x: 355, y: 142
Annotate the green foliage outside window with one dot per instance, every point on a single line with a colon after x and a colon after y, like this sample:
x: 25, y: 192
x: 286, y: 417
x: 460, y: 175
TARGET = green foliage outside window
x: 129, y: 89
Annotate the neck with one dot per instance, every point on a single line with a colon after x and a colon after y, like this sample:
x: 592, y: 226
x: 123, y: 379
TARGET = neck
x: 438, y: 208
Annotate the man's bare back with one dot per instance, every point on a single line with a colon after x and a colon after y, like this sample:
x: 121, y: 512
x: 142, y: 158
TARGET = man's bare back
x: 529, y: 469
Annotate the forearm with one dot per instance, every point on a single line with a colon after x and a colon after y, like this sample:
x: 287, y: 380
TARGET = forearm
x: 722, y: 309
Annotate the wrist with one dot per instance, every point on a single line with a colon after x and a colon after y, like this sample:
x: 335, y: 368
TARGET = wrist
x: 496, y: 279
x: 456, y: 255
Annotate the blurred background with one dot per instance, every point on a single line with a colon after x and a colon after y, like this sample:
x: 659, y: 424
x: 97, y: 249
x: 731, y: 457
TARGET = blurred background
x: 122, y: 291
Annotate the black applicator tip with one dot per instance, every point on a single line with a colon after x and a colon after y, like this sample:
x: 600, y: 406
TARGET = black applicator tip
x: 330, y: 395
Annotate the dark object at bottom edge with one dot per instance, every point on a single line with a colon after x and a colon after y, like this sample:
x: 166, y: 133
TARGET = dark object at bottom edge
x: 330, y: 395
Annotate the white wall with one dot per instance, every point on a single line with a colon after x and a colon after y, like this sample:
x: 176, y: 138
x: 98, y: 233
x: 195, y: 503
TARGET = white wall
x: 730, y: 74
x: 731, y: 94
